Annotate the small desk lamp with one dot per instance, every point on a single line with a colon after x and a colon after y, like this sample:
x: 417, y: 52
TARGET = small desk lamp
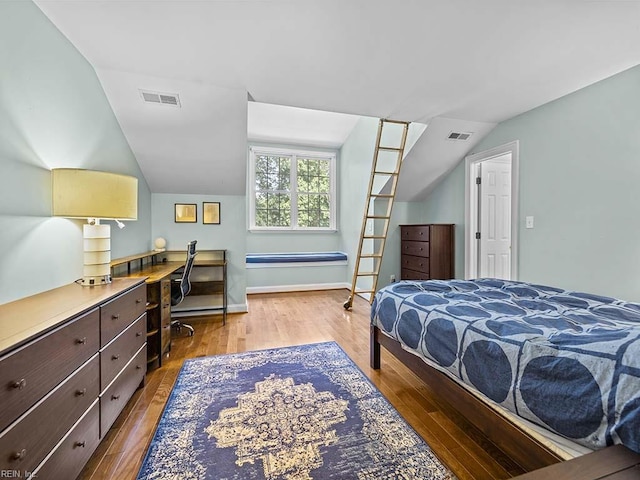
x: 95, y: 195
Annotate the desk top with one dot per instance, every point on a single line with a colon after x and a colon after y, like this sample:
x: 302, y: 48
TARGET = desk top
x: 155, y: 273
x: 132, y: 258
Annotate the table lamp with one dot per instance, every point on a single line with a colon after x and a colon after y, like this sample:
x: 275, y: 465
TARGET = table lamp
x: 95, y: 196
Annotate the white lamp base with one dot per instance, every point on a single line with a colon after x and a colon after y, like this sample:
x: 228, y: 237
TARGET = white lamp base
x: 97, y: 254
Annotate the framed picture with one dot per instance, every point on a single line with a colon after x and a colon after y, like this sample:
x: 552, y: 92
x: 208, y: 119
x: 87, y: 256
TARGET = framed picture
x: 186, y: 212
x: 211, y: 213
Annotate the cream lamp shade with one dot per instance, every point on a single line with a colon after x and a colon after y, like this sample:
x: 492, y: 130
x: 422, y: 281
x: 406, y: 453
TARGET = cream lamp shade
x: 91, y: 194
x: 95, y: 195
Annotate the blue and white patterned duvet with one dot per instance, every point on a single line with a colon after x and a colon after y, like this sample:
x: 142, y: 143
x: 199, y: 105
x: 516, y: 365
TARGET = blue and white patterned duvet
x: 568, y: 361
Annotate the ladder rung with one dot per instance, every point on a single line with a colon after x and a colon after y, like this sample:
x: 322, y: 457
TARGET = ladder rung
x: 367, y: 274
x: 374, y: 236
x: 380, y: 172
x: 365, y: 291
x: 378, y: 217
x: 385, y: 120
x: 390, y: 149
x: 382, y: 195
x: 371, y: 255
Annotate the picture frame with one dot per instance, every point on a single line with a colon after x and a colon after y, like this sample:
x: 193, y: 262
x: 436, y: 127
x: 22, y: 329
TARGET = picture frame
x: 211, y: 213
x: 185, y: 213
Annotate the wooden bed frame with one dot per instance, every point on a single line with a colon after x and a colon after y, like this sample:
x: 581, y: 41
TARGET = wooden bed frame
x: 523, y: 449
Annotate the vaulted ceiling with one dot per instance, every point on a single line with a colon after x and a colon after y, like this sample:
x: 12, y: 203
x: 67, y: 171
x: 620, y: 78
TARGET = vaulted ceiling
x: 455, y: 64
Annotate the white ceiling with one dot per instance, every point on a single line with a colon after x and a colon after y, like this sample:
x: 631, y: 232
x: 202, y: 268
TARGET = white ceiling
x: 298, y: 126
x: 468, y: 61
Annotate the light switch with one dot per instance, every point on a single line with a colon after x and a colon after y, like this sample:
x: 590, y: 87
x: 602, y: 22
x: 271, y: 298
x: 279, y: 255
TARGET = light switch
x: 529, y: 221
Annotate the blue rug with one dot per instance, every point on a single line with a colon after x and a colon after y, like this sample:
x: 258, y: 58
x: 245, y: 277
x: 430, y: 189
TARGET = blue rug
x: 294, y: 413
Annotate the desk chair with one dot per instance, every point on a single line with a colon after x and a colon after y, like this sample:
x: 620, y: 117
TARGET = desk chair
x: 181, y: 287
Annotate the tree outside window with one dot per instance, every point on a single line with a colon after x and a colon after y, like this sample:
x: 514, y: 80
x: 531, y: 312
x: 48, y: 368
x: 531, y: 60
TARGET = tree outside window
x: 292, y: 190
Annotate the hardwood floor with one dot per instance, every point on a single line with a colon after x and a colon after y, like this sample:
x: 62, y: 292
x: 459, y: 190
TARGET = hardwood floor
x: 276, y: 320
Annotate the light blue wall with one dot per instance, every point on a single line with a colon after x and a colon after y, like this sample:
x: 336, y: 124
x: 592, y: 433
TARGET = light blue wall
x: 579, y: 171
x: 53, y: 113
x: 231, y: 234
x: 356, y: 155
x: 291, y: 278
x: 446, y: 205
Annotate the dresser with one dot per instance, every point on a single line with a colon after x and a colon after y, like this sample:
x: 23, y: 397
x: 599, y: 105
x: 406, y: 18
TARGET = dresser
x: 70, y: 360
x: 427, y: 251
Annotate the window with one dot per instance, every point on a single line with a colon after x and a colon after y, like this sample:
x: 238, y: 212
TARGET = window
x: 292, y: 190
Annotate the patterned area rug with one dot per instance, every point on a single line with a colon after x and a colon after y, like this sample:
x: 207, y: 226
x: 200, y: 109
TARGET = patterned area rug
x: 292, y: 413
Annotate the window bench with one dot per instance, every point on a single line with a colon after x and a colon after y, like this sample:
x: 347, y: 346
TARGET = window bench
x: 295, y: 259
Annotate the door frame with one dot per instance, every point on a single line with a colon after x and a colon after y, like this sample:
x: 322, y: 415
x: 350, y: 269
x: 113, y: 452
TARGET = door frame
x: 471, y: 206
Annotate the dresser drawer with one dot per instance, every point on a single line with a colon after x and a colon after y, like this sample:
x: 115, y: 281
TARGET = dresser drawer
x: 28, y: 441
x: 32, y: 371
x: 74, y: 452
x: 411, y: 262
x: 419, y: 233
x: 113, y: 400
x: 406, y: 274
x: 116, y: 355
x: 120, y: 312
x: 419, y: 249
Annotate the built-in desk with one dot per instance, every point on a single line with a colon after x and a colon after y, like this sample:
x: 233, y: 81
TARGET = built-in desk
x: 208, y: 291
x: 157, y: 275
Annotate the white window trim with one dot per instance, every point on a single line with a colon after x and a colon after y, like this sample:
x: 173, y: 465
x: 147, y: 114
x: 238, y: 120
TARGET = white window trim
x: 331, y: 156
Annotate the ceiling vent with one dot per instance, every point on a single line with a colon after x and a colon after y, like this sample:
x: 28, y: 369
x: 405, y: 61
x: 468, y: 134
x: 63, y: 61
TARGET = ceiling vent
x: 161, y: 98
x: 459, y: 136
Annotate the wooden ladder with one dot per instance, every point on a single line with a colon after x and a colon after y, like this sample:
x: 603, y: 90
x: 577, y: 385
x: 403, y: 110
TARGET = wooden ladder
x: 387, y: 161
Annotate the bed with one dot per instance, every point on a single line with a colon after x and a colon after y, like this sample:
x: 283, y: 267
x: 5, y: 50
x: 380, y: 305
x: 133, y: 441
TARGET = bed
x: 545, y: 373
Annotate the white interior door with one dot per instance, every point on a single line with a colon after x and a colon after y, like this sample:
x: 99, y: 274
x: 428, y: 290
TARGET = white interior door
x: 473, y: 213
x: 494, y: 256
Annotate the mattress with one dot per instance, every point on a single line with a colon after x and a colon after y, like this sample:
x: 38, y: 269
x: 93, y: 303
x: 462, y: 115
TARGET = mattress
x: 567, y: 362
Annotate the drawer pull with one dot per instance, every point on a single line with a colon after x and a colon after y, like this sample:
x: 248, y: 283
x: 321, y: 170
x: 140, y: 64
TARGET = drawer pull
x: 19, y: 455
x: 138, y: 367
x: 138, y: 300
x: 79, y: 444
x: 20, y: 384
x: 115, y: 317
x: 115, y: 397
x: 138, y: 334
x: 81, y: 393
x: 115, y: 357
x: 81, y: 341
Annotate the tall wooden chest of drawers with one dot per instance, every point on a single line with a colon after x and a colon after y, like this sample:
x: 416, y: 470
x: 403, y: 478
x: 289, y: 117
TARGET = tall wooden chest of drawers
x: 427, y: 251
x: 70, y: 359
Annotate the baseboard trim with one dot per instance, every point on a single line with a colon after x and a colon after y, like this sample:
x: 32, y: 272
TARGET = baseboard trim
x: 236, y: 308
x: 298, y: 288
